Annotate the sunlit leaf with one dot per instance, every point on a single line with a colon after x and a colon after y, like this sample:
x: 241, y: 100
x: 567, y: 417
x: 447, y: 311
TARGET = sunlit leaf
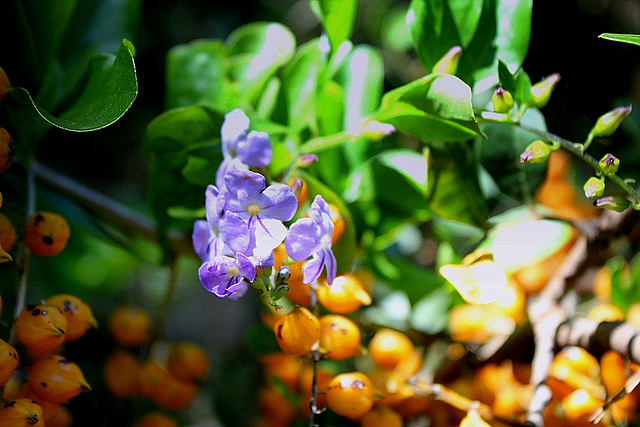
x: 436, y: 107
x: 481, y: 282
x: 624, y: 38
x: 337, y: 17
x: 454, y: 190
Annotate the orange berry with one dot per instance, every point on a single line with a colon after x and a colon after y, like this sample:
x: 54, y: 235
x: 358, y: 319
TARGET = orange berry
x: 305, y: 382
x: 577, y: 407
x: 301, y: 189
x: 345, y: 295
x: 7, y: 233
x: 602, y: 284
x: 274, y: 406
x: 5, y: 85
x: 7, y: 149
x: 8, y: 361
x: 605, y: 312
x: 120, y: 372
x: 350, y: 394
x: 152, y: 379
x: 175, y: 395
x: 389, y: 347
x: 284, y: 367
x: 339, y: 337
x: 633, y: 314
x: 338, y: 222
x: 188, y: 362
x: 297, y: 331
x: 155, y: 419
x: 130, y: 326
x: 79, y: 316
x: 56, y: 415
x: 57, y: 379
x: 40, y: 328
x: 299, y: 293
x: 46, y: 233
x: 382, y: 416
x: 21, y: 413
x: 478, y: 322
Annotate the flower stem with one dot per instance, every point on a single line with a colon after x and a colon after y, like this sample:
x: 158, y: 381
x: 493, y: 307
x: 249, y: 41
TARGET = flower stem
x: 158, y: 328
x: 578, y: 150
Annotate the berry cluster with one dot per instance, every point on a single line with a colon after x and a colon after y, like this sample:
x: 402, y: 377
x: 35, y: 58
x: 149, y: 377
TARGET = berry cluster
x: 170, y: 379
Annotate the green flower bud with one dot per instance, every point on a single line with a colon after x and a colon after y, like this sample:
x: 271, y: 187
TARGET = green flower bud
x: 448, y: 64
x: 594, y: 187
x: 609, y: 122
x: 541, y: 91
x: 609, y: 164
x: 536, y: 152
x: 614, y: 203
x: 502, y: 101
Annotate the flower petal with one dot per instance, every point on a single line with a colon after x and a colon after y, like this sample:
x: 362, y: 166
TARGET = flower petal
x: 313, y: 268
x: 235, y: 125
x: 304, y: 239
x: 330, y: 264
x: 269, y: 233
x: 234, y: 232
x: 282, y: 203
x: 201, y: 238
x: 255, y: 149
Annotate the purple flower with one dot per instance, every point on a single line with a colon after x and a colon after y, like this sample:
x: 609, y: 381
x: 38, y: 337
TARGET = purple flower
x: 252, y: 222
x: 225, y: 276
x: 239, y: 148
x: 311, y: 236
x: 206, y: 234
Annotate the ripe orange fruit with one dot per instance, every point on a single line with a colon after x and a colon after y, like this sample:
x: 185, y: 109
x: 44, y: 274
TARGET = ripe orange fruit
x: 345, y: 295
x: 8, y: 361
x: 175, y: 395
x: 152, y: 379
x: 389, y: 347
x: 297, y: 331
x: 57, y: 379
x: 46, y: 233
x: 155, y: 419
x: 188, y: 362
x: 7, y: 233
x: 40, y: 328
x: 130, y: 326
x: 282, y: 366
x: 274, y: 406
x: 5, y: 85
x: 338, y: 222
x: 120, y: 373
x: 350, y: 394
x: 339, y: 337
x: 7, y: 149
x: 21, y: 413
x: 382, y: 416
x: 79, y: 316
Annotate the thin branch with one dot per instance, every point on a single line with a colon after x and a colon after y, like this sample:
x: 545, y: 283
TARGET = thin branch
x: 108, y: 209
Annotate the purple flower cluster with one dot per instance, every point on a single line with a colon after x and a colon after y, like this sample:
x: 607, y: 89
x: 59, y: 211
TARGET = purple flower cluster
x: 244, y: 218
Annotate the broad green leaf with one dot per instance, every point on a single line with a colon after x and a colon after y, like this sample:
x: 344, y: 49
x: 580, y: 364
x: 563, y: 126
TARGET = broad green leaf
x: 255, y: 52
x: 624, y: 38
x: 454, y: 190
x: 110, y: 91
x: 300, y: 85
x: 523, y: 88
x: 362, y: 77
x: 394, y: 180
x: 195, y: 74
x: 431, y: 314
x: 500, y: 154
x: 337, y: 17
x: 436, y: 107
x: 330, y: 108
x: 345, y: 248
x: 506, y: 78
x: 393, y: 310
x: 466, y: 15
x: 202, y: 165
x: 395, y: 34
x: 181, y: 129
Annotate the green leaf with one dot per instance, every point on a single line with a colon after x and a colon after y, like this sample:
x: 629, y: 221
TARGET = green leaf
x: 345, y: 248
x: 300, y: 85
x: 255, y: 53
x: 454, y: 190
x: 180, y: 129
x: 431, y: 314
x: 337, y: 17
x: 434, y: 108
x: 110, y: 91
x: 507, y: 80
x: 500, y: 154
x: 195, y: 74
x: 624, y: 38
x: 330, y: 108
x: 362, y: 77
x: 466, y: 15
